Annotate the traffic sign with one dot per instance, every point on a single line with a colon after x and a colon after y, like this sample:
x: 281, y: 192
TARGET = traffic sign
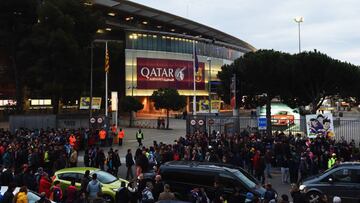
x: 201, y: 122
x: 100, y: 120
x: 193, y: 122
x: 92, y: 120
x: 211, y: 121
x: 262, y: 123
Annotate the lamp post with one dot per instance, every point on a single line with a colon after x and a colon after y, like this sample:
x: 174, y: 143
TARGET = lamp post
x: 133, y: 38
x: 91, y: 78
x: 209, y: 83
x: 299, y: 20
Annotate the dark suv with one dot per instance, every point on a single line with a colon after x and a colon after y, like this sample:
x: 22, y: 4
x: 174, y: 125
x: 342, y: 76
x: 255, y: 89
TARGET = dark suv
x: 342, y: 180
x: 183, y: 176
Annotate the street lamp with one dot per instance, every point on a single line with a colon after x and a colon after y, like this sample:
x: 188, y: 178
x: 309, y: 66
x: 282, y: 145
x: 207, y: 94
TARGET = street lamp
x: 299, y: 20
x: 209, y: 83
x: 133, y: 38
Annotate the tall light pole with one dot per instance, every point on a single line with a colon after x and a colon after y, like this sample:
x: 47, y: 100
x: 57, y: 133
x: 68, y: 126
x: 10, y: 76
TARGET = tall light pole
x: 133, y: 38
x: 209, y: 83
x: 299, y: 20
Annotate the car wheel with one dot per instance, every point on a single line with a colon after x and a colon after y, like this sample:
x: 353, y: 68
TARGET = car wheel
x: 108, y: 199
x: 313, y: 197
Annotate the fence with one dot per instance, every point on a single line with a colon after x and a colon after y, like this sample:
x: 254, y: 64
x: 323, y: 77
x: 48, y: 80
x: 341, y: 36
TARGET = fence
x: 343, y: 128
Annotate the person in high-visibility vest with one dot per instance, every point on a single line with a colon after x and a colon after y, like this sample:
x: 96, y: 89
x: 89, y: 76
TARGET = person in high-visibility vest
x: 121, y: 135
x: 332, y: 161
x: 102, y: 137
x: 72, y: 140
x: 139, y: 137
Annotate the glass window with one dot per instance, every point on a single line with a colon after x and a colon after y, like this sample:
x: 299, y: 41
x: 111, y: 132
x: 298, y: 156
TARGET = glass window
x: 341, y: 176
x: 68, y: 176
x: 105, y: 177
x: 32, y: 197
x: 245, y: 179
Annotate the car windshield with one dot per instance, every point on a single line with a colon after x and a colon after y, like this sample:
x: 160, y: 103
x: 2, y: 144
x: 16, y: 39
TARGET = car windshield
x: 246, y: 179
x: 32, y: 198
x: 105, y: 177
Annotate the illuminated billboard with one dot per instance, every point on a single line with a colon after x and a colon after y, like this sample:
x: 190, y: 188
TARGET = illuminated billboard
x: 168, y: 73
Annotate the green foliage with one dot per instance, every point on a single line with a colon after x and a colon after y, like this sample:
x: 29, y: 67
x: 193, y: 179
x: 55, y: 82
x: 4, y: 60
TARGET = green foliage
x: 298, y: 80
x: 169, y: 99
x: 16, y: 20
x: 57, y: 50
x: 129, y: 104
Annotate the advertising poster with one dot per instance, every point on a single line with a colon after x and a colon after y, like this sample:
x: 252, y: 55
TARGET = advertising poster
x: 282, y: 116
x: 204, y: 106
x: 320, y: 124
x: 85, y: 103
x: 165, y: 73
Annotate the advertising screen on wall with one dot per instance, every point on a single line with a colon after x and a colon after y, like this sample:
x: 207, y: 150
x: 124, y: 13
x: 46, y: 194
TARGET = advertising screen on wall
x: 168, y: 73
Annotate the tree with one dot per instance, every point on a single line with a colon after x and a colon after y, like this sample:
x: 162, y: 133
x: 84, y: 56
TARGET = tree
x: 263, y: 74
x: 16, y: 20
x: 169, y: 99
x: 317, y: 76
x: 56, y: 52
x: 131, y: 104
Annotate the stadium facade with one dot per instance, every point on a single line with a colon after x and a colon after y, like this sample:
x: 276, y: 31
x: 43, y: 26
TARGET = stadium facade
x: 159, y: 50
x: 154, y: 49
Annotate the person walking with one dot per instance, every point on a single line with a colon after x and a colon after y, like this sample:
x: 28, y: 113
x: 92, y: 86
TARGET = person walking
x: 102, y: 137
x: 45, y: 185
x: 73, y: 158
x: 332, y: 160
x: 71, y: 193
x: 56, y: 192
x: 116, y: 162
x: 121, y: 135
x: 94, y: 187
x: 284, y: 170
x: 167, y: 194
x: 21, y: 196
x: 9, y: 196
x: 85, y: 181
x: 139, y: 137
x: 129, y: 164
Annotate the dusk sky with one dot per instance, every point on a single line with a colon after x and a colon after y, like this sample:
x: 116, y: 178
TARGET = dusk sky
x: 330, y: 26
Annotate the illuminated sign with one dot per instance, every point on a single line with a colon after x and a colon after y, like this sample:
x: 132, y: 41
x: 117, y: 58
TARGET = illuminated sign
x: 163, y: 73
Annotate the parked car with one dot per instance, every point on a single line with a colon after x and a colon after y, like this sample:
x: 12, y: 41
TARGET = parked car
x: 183, y: 176
x: 342, y: 180
x: 282, y: 118
x: 32, y: 196
x: 110, y: 184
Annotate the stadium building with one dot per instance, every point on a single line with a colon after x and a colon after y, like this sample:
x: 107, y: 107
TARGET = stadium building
x: 155, y: 50
x: 159, y: 50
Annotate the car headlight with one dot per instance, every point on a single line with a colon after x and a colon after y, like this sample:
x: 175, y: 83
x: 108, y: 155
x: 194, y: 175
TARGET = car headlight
x: 302, y: 187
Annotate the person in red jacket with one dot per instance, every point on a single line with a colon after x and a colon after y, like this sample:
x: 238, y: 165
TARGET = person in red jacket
x: 45, y: 185
x: 71, y: 193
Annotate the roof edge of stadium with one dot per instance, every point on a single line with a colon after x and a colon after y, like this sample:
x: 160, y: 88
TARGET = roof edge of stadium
x: 226, y: 38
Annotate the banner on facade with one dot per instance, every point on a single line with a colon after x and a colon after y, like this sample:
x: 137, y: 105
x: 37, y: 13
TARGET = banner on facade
x: 85, y: 103
x: 320, y: 124
x: 168, y: 73
x: 204, y: 106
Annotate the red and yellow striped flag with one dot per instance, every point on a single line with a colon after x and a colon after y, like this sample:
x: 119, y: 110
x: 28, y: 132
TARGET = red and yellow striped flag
x: 107, y: 61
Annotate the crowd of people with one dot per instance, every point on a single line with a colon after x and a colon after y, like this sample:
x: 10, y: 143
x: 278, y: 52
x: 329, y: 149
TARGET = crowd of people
x: 30, y: 157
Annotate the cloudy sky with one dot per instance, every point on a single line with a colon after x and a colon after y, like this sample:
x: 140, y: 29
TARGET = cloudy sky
x: 330, y: 26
